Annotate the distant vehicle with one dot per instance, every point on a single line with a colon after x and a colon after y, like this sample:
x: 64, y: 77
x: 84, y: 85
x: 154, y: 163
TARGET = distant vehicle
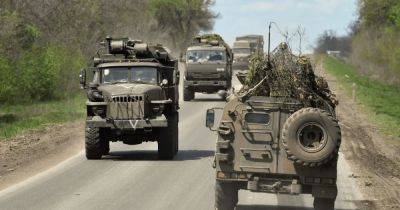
x: 241, y: 55
x: 208, y: 67
x: 132, y: 98
x: 256, y: 42
x: 244, y: 47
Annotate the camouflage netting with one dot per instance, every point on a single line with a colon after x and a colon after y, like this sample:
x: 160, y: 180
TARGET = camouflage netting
x: 288, y: 76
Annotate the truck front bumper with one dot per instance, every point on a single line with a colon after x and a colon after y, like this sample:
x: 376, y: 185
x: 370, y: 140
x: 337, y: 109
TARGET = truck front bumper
x: 209, y: 86
x: 160, y: 121
x: 240, y: 65
x: 208, y: 83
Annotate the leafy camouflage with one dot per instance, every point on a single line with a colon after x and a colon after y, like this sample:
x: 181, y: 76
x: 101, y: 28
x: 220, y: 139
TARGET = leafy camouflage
x: 289, y: 76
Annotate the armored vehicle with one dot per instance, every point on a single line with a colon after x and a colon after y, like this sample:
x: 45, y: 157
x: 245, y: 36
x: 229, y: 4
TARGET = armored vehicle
x: 132, y: 98
x: 244, y: 47
x: 278, y: 136
x: 208, y: 67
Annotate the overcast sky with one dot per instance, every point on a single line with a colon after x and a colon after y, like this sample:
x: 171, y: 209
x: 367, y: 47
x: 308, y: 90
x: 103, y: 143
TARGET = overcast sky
x: 240, y: 17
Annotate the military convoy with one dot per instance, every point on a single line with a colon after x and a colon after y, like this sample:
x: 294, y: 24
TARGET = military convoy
x: 132, y: 98
x: 208, y: 67
x: 279, y: 134
x: 244, y: 47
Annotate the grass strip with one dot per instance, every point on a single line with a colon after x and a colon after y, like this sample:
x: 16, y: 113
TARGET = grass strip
x: 382, y: 101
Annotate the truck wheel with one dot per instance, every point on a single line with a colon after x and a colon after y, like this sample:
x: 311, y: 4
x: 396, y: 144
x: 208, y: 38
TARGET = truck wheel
x: 324, y: 204
x: 106, y: 147
x: 93, y: 144
x: 311, y: 137
x: 168, y: 138
x: 226, y: 195
x: 188, y: 94
x: 173, y: 123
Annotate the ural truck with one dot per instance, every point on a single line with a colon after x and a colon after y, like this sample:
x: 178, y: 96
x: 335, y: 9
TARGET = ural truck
x: 244, y: 47
x: 280, y: 135
x: 132, y: 98
x: 208, y: 67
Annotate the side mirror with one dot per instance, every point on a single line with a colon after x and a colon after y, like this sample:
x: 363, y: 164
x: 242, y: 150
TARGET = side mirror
x: 182, y: 58
x: 176, y: 77
x: 82, y: 78
x: 210, y: 118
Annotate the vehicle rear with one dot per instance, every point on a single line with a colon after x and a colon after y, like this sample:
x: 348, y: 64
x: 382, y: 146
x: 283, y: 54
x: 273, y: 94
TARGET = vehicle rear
x: 274, y: 145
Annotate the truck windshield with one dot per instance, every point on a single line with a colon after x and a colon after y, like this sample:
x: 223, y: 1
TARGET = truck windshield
x: 129, y: 75
x: 241, y: 51
x: 202, y: 56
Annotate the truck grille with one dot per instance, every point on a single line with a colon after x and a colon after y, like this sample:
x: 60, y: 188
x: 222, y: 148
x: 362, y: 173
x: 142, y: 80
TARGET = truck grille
x: 206, y: 75
x: 127, y: 98
x: 127, y: 108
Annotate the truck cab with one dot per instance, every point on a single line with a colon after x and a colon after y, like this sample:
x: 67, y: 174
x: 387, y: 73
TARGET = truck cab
x: 208, y: 67
x: 132, y: 97
x: 242, y: 52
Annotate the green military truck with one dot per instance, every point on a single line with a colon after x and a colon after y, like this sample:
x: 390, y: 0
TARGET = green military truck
x: 278, y: 137
x: 244, y: 47
x: 208, y: 67
x: 132, y: 98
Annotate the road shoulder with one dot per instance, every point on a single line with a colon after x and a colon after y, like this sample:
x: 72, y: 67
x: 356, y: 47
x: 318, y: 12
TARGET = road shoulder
x: 375, y: 164
x: 29, y: 154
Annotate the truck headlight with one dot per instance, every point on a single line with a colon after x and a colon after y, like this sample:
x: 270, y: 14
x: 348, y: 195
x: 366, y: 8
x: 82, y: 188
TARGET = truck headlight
x: 158, y: 108
x: 99, y: 111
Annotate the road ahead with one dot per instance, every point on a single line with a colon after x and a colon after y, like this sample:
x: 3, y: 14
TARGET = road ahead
x: 132, y: 177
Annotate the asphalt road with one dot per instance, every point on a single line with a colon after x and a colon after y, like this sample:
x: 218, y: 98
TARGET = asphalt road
x: 132, y: 177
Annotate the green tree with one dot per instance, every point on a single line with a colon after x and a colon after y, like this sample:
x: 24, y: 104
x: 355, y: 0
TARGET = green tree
x: 182, y: 19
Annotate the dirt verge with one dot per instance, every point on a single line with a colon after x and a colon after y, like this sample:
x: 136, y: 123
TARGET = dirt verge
x: 375, y: 161
x: 34, y: 152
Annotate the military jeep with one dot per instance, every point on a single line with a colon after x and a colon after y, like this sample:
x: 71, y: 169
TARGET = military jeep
x: 274, y: 144
x: 132, y: 98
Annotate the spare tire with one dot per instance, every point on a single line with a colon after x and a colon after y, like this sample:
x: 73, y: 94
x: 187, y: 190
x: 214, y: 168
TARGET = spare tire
x: 311, y: 137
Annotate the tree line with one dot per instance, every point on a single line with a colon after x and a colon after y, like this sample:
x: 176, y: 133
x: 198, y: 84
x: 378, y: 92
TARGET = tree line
x: 373, y: 44
x: 44, y: 43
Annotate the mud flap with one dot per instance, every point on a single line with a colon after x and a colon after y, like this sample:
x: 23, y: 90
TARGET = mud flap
x: 324, y: 191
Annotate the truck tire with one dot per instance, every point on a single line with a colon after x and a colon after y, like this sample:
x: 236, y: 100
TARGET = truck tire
x: 173, y: 122
x: 168, y: 138
x: 106, y: 147
x: 226, y: 195
x: 188, y: 94
x: 324, y: 204
x: 94, y: 147
x: 311, y: 137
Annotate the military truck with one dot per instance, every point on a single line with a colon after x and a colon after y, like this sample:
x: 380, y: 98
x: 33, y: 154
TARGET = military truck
x: 242, y: 52
x: 208, y: 67
x: 244, y: 47
x: 132, y: 98
x: 276, y: 143
x: 256, y: 42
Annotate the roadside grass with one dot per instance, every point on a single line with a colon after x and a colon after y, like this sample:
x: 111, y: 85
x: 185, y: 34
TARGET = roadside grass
x: 382, y: 101
x: 18, y: 119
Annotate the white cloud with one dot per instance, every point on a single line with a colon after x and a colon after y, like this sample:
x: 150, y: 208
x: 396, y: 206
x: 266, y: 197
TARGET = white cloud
x: 317, y: 6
